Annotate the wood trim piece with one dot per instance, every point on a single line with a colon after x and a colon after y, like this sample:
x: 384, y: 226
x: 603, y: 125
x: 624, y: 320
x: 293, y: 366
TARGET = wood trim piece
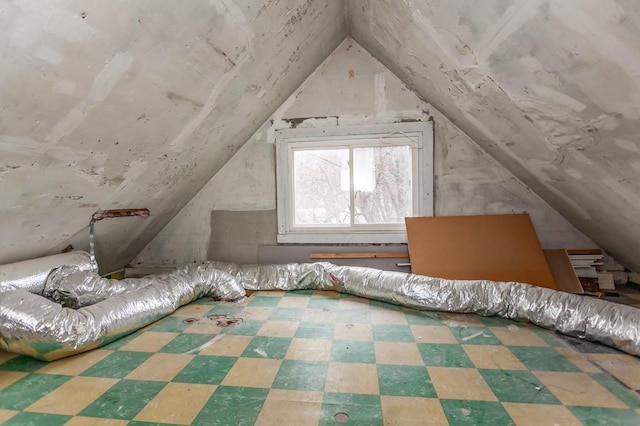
x: 378, y: 255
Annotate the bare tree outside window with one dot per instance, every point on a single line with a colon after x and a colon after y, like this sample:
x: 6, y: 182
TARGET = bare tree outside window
x: 390, y: 200
x: 379, y: 177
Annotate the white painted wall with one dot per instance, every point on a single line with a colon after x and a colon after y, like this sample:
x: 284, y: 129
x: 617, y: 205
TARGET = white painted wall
x: 351, y: 87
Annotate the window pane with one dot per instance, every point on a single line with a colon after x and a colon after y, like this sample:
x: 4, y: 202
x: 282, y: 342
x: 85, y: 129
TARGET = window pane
x: 321, y: 187
x: 382, y: 184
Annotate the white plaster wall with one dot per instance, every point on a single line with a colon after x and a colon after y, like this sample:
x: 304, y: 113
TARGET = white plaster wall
x: 352, y: 87
x: 549, y: 88
x: 126, y: 104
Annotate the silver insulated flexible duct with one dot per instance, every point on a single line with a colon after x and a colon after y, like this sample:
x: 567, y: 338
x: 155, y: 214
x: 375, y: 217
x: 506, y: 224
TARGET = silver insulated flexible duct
x: 31, y: 274
x: 107, y: 309
x: 45, y: 329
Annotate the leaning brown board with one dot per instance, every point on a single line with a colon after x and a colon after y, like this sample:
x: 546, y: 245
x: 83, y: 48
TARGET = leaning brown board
x: 491, y: 247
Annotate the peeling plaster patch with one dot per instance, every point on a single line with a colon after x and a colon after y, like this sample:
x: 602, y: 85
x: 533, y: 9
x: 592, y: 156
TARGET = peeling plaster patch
x: 318, y: 122
x: 573, y: 173
x: 563, y: 129
x: 49, y: 55
x: 278, y: 122
x: 387, y: 117
x: 380, y: 91
x: 627, y: 145
x: 64, y: 87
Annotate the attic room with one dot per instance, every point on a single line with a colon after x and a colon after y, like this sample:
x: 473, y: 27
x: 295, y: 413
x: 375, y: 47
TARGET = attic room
x: 269, y: 212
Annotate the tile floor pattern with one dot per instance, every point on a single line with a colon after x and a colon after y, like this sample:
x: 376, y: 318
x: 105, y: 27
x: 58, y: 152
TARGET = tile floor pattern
x: 301, y: 358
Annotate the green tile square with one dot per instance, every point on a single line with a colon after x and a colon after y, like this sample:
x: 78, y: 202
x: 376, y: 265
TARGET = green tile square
x: 150, y: 424
x: 380, y: 305
x: 550, y: 338
x: 592, y: 416
x: 362, y: 409
x: 286, y: 314
x: 517, y: 386
x: 230, y: 405
x: 267, y: 347
x: 405, y: 380
x: 268, y: 302
x: 22, y: 363
x: 474, y: 336
x: 117, y: 365
x: 299, y: 293
x: 444, y: 355
x: 206, y: 369
x: 124, y: 399
x: 229, y: 310
x: 187, y: 343
x: 497, y: 321
x: 423, y: 318
x: 28, y: 390
x: 323, y: 302
x: 543, y: 359
x: 354, y: 316
x: 392, y: 333
x: 624, y: 394
x: 170, y: 325
x: 315, y: 330
x: 353, y: 351
x: 120, y: 342
x: 36, y: 419
x: 474, y: 413
x: 301, y: 375
x: 248, y: 327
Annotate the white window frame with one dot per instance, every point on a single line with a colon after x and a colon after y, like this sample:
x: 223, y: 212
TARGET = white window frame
x: 420, y: 135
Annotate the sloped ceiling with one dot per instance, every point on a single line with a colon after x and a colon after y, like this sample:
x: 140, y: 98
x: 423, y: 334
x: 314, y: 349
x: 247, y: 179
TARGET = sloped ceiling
x: 550, y: 88
x: 122, y: 104
x: 131, y: 104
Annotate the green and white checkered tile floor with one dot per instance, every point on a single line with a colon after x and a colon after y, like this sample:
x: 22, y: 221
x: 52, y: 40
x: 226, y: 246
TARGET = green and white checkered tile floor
x: 299, y: 358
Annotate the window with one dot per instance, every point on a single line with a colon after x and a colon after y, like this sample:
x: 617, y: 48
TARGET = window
x: 353, y: 184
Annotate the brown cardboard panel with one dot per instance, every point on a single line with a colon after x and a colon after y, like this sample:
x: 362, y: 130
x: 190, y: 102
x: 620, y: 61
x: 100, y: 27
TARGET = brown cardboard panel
x: 493, y: 247
x: 563, y: 273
